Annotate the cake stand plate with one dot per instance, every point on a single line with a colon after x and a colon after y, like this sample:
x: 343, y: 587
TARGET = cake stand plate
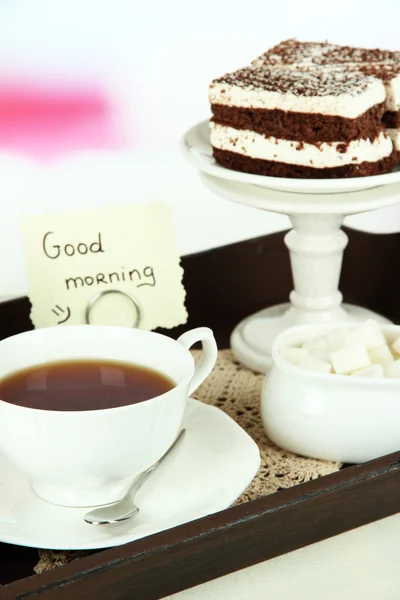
x: 198, y: 151
x: 316, y: 244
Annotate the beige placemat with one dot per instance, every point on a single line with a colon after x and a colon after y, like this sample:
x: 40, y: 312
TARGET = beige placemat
x: 236, y: 390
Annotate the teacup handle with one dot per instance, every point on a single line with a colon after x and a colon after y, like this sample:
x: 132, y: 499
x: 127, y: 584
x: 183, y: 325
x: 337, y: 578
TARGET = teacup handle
x: 208, y: 356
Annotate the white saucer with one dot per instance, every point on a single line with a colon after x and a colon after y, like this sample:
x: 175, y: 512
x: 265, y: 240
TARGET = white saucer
x: 197, y: 149
x: 207, y: 472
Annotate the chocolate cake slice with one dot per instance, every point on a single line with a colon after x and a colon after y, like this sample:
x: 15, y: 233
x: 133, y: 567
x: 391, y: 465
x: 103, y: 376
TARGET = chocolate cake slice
x: 305, y: 123
x: 383, y: 64
x: 389, y: 74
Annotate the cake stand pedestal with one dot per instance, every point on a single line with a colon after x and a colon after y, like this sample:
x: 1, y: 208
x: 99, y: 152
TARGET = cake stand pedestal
x: 316, y: 244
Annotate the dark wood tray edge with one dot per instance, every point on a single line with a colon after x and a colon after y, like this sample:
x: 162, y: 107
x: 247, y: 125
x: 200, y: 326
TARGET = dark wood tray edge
x: 211, y: 547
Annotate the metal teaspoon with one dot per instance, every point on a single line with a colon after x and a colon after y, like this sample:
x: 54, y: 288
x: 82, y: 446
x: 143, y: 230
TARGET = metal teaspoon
x: 126, y: 508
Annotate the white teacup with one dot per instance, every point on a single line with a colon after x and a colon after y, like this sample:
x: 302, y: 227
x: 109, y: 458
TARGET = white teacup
x: 86, y: 458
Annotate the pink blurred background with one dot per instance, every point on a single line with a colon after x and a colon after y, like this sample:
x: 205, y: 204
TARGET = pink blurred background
x: 46, y: 121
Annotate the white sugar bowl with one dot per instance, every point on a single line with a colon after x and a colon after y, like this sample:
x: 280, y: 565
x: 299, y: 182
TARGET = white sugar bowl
x: 326, y: 415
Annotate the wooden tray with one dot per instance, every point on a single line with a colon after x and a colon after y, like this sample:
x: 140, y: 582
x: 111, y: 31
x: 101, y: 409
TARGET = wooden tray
x: 223, y: 286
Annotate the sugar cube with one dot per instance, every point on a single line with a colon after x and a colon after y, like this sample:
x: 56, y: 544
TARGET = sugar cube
x: 371, y: 371
x: 346, y: 360
x: 319, y: 343
x: 294, y: 355
x: 396, y: 345
x: 392, y: 369
x: 380, y: 355
x: 314, y: 364
x: 357, y: 350
x: 321, y: 355
x: 368, y: 334
x: 338, y: 338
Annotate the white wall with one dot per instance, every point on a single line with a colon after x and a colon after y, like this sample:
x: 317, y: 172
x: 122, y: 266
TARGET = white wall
x: 155, y: 59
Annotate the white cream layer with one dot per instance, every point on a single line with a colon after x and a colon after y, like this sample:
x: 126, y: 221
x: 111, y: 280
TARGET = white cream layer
x: 326, y: 155
x: 395, y: 137
x: 393, y: 93
x: 345, y: 105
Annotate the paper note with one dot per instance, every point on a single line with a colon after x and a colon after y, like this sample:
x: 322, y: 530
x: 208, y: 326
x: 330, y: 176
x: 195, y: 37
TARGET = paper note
x: 73, y: 258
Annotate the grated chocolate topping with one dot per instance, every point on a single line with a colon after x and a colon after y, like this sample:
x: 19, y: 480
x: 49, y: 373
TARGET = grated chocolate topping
x: 299, y: 82
x: 346, y: 54
x: 384, y: 71
x: 292, y: 52
x: 381, y: 70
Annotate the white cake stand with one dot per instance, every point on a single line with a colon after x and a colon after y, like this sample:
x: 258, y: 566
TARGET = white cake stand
x: 316, y: 242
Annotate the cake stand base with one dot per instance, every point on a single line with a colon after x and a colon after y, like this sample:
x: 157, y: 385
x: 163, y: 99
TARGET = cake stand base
x: 251, y: 340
